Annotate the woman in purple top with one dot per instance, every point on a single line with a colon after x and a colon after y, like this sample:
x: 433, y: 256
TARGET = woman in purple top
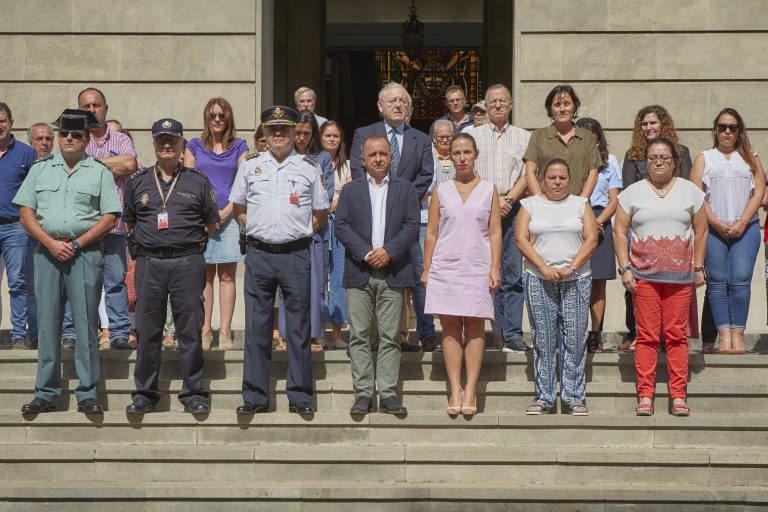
x: 218, y: 152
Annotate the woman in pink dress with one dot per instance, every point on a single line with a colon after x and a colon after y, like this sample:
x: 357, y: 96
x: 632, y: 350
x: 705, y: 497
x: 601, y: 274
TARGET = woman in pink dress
x: 462, y: 258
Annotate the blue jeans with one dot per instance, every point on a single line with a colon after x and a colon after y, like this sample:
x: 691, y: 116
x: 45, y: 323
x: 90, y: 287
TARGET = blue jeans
x: 29, y: 273
x: 13, y: 245
x: 335, y: 306
x: 730, y: 264
x: 509, y: 300
x: 116, y: 292
x: 425, y: 324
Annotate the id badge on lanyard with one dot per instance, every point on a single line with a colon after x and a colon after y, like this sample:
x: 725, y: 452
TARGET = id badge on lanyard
x: 162, y: 217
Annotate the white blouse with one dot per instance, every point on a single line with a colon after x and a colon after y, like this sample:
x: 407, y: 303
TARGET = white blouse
x: 556, y: 230
x: 728, y: 184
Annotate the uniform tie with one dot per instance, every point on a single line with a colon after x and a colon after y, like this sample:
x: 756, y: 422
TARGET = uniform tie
x: 395, y: 149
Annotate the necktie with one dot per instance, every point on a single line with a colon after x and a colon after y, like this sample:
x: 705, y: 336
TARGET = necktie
x: 395, y: 149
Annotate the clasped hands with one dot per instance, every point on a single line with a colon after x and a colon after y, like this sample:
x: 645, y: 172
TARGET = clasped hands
x: 377, y: 258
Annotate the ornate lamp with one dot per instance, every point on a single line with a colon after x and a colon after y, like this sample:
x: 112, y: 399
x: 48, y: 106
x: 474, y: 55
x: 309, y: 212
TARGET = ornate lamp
x: 413, y: 32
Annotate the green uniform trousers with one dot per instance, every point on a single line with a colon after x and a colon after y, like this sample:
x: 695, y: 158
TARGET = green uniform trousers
x: 375, y: 298
x: 79, y: 280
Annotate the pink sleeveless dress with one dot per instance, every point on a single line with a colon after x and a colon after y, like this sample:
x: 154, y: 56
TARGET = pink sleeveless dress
x: 458, y: 277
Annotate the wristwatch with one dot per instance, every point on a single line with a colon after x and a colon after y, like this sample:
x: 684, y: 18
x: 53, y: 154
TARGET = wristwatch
x: 76, y: 246
x: 623, y: 269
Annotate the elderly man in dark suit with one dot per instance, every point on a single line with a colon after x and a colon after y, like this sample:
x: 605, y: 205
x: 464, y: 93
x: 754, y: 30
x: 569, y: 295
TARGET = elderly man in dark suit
x: 411, y: 152
x: 377, y: 220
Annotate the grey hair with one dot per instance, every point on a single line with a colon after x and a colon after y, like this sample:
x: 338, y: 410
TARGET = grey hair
x: 393, y: 85
x: 302, y: 90
x: 31, y: 129
x: 498, y: 86
x: 441, y: 123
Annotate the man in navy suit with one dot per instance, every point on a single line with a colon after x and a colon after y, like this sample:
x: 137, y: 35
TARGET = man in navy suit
x: 377, y: 220
x: 411, y: 152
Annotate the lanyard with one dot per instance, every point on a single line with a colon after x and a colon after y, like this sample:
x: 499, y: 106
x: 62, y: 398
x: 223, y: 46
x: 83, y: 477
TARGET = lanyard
x: 160, y: 190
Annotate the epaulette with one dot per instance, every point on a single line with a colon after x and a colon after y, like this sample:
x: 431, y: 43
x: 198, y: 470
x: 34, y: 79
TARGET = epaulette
x: 198, y: 171
x: 141, y: 171
x: 310, y: 160
x: 43, y: 159
x: 254, y: 155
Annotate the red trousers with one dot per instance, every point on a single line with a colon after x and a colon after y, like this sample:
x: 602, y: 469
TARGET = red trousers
x: 661, y: 306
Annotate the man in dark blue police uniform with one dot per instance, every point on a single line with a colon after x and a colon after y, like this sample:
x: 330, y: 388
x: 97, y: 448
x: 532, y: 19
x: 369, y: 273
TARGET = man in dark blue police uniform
x: 279, y: 197
x: 168, y: 209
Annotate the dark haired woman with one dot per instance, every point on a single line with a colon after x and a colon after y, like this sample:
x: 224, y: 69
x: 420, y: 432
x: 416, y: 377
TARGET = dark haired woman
x: 733, y: 179
x: 308, y: 143
x: 563, y: 139
x: 556, y: 232
x: 604, y: 200
x: 669, y: 235
x: 218, y: 152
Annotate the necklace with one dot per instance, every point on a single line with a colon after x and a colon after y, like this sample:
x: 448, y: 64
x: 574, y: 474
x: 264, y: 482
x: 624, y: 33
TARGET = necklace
x: 662, y: 191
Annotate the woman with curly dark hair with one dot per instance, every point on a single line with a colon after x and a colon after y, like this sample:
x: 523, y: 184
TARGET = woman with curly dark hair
x: 651, y: 122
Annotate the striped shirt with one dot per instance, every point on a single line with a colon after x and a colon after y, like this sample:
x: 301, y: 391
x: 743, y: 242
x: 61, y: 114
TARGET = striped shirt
x: 501, y: 153
x: 113, y: 144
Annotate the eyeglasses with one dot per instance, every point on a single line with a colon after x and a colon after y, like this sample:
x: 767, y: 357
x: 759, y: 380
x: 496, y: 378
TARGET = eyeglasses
x: 663, y: 159
x: 77, y: 135
x: 217, y: 115
x: 443, y: 139
x: 722, y: 127
x: 164, y: 139
x: 395, y: 101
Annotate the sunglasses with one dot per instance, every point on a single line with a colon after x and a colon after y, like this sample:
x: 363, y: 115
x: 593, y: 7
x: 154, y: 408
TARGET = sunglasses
x: 64, y: 134
x: 217, y: 115
x: 721, y: 127
x: 164, y: 139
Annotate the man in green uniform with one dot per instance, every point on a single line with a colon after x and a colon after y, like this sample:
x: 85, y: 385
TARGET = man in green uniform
x: 68, y: 203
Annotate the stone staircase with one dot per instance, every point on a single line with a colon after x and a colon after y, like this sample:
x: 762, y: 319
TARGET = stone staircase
x: 499, y: 460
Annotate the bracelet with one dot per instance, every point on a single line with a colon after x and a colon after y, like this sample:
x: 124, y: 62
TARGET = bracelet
x: 703, y: 270
x: 624, y: 269
x: 570, y: 267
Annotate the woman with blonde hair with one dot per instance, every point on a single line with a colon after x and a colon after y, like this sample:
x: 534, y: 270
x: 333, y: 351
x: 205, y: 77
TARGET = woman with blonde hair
x: 218, y: 152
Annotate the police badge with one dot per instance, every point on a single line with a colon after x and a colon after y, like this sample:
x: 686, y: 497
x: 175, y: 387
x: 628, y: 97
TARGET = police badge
x: 257, y: 171
x: 144, y: 199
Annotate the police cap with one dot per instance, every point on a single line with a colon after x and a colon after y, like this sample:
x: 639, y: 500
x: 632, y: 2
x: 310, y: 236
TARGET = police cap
x: 279, y: 115
x: 76, y: 119
x: 169, y: 126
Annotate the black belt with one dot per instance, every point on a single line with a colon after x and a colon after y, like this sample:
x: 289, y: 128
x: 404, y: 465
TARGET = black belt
x: 295, y: 245
x: 8, y: 220
x: 169, y: 253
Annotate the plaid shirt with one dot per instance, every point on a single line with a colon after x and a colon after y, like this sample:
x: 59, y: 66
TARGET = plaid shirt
x: 501, y: 153
x: 113, y: 144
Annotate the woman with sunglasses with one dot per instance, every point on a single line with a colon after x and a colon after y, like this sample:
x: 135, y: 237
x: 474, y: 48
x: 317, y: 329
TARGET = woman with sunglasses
x: 218, y: 152
x: 734, y: 182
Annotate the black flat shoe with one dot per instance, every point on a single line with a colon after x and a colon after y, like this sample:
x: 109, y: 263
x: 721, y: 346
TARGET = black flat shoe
x: 140, y: 406
x: 37, y: 406
x: 302, y: 409
x: 197, y: 406
x: 409, y: 347
x: 251, y: 408
x: 89, y: 406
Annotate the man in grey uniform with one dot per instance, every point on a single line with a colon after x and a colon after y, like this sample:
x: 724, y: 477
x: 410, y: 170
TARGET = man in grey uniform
x: 280, y: 198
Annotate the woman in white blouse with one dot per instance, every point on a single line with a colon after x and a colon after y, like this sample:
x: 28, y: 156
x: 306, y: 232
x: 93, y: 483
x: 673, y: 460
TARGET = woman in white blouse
x: 731, y: 176
x: 556, y: 232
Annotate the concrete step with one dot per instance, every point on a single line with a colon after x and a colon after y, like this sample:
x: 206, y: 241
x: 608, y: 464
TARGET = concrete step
x: 203, y: 496
x: 382, y: 464
x: 497, y: 366
x: 699, y: 431
x: 603, y: 398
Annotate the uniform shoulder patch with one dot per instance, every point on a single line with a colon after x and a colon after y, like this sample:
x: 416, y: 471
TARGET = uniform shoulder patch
x: 252, y: 156
x: 198, y: 171
x: 43, y: 159
x: 141, y: 171
x: 310, y: 160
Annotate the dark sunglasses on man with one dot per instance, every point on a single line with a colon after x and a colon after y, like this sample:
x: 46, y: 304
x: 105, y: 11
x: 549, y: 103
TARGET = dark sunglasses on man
x: 77, y: 135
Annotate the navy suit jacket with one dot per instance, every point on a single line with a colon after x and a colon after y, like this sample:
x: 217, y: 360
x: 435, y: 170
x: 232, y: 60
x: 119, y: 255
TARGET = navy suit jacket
x: 416, y: 164
x: 354, y: 226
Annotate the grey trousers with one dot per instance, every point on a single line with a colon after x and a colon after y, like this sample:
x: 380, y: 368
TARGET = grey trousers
x: 375, y: 298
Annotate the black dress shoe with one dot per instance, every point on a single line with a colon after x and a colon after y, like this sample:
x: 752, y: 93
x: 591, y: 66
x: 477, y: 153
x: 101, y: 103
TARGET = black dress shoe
x: 361, y: 407
x: 409, y: 347
x: 37, y: 406
x: 430, y: 343
x: 392, y: 406
x: 140, y: 405
x: 252, y: 408
x: 302, y: 408
x: 90, y: 406
x: 197, y: 406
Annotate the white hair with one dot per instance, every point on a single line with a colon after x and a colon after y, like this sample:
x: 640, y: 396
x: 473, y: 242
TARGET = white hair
x: 302, y: 90
x: 30, y: 131
x: 393, y: 85
x: 498, y: 86
x: 440, y: 123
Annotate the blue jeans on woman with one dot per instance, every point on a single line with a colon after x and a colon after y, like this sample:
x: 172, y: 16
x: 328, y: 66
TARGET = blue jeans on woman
x: 335, y: 306
x: 730, y: 264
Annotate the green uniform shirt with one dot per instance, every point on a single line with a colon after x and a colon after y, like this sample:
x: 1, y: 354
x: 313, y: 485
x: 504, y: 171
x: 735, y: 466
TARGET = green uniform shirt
x: 67, y: 204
